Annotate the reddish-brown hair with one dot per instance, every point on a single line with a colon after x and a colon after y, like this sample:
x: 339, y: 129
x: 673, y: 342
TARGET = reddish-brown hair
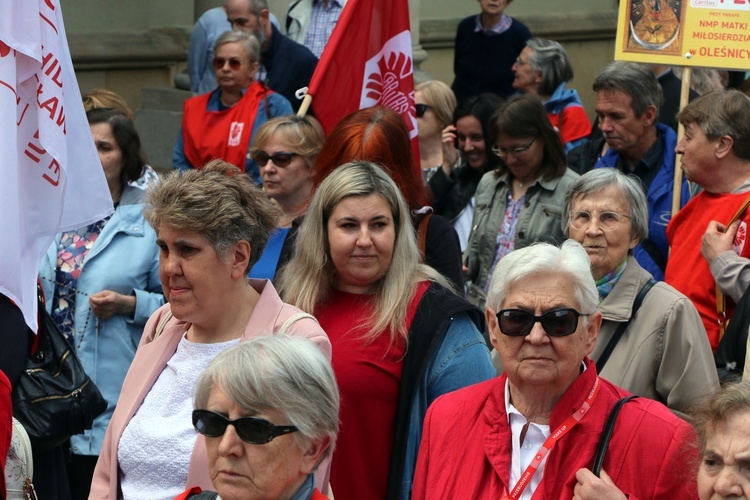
x: 377, y: 135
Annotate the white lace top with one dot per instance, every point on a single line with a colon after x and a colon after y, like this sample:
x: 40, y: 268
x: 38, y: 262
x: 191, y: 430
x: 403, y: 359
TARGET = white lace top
x: 156, y: 445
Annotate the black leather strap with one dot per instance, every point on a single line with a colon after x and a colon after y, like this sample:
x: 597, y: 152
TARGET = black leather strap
x: 623, y: 326
x: 601, y: 449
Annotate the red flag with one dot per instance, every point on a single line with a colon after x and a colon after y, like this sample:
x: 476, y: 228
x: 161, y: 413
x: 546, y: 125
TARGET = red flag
x: 367, y: 62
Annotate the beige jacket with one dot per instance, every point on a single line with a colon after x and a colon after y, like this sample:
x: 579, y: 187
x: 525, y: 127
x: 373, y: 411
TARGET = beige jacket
x: 664, y: 353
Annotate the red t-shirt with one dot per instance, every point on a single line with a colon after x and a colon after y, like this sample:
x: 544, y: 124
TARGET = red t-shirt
x: 369, y: 377
x: 687, y: 269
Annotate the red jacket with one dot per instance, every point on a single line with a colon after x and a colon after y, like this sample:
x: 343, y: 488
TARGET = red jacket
x: 466, y: 445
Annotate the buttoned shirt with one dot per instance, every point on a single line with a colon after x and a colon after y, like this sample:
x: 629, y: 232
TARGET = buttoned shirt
x: 501, y: 27
x: 322, y: 21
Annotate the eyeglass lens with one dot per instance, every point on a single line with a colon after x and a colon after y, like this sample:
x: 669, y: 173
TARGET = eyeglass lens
x: 252, y: 430
x: 515, y: 151
x: 607, y: 220
x: 557, y: 323
x: 234, y: 63
x: 279, y: 159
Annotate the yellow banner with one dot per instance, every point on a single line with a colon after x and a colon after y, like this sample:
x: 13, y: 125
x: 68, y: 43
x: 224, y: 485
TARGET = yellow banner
x: 706, y: 33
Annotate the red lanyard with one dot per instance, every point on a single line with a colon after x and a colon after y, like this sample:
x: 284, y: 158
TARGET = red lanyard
x: 550, y: 442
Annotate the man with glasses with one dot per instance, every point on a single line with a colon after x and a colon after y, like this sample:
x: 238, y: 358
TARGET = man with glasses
x: 534, y: 431
x: 628, y: 98
x: 286, y: 65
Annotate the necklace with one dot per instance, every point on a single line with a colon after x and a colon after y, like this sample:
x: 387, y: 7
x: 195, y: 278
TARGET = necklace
x: 77, y: 345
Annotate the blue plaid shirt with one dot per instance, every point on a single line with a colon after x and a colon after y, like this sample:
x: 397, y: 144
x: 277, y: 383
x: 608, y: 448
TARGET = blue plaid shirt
x: 321, y: 24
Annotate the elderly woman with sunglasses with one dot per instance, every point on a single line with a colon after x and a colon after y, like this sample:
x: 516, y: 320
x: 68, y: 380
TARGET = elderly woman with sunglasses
x: 520, y: 202
x: 652, y: 341
x: 285, y: 148
x: 221, y: 124
x: 269, y: 411
x: 533, y: 432
x: 211, y: 225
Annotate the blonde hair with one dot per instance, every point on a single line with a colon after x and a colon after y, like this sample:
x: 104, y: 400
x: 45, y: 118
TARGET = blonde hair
x: 307, y: 279
x: 303, y: 134
x: 103, y: 98
x: 442, y: 99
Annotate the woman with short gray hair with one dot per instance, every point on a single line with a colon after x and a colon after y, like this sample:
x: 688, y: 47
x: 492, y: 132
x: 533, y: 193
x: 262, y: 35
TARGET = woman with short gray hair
x: 543, y: 69
x: 652, y: 341
x: 222, y: 123
x: 280, y: 396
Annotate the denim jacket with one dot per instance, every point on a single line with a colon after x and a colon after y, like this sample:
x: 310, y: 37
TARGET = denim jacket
x: 124, y: 259
x: 451, y: 356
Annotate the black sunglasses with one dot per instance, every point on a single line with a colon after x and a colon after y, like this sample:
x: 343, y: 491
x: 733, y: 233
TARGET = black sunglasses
x: 557, y: 322
x: 279, y: 159
x: 252, y: 430
x: 421, y: 109
x: 234, y: 63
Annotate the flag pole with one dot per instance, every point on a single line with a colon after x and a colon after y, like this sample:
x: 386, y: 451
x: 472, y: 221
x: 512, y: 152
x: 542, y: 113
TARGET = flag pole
x: 305, y: 105
x: 684, y: 96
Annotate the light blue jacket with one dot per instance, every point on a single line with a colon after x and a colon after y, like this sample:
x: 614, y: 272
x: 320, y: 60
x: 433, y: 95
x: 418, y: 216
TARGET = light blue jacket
x: 124, y: 259
x: 463, y: 359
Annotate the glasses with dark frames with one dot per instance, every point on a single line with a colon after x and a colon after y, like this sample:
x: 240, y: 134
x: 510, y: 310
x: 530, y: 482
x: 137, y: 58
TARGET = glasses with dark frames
x: 502, y: 152
x: 557, y: 322
x: 251, y: 430
x: 421, y: 109
x: 281, y: 160
x: 220, y: 62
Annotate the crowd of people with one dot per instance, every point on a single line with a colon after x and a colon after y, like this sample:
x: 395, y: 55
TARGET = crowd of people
x: 519, y: 314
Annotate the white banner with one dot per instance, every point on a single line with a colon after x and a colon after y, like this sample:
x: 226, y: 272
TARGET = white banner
x: 52, y: 179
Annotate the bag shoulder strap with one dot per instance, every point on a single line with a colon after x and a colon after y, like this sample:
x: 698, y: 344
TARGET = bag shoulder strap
x: 293, y: 319
x: 609, y: 427
x: 422, y: 235
x: 163, y: 324
x: 623, y: 326
x: 721, y: 303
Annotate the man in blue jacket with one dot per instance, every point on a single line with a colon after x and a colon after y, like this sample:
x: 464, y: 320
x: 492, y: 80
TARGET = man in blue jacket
x: 628, y: 98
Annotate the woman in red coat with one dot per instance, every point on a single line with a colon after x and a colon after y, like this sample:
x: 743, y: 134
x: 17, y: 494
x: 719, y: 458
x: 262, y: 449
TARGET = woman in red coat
x: 533, y: 432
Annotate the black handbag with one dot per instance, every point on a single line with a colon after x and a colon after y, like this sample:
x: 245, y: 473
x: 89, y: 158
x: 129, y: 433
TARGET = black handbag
x: 54, y: 398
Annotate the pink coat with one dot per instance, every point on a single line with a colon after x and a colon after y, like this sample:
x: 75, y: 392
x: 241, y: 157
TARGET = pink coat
x: 152, y: 356
x: 466, y: 445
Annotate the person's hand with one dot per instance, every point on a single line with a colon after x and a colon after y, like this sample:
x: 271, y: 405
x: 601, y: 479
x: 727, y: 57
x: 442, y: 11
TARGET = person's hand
x: 718, y: 238
x: 107, y: 303
x: 450, y: 153
x: 596, y: 488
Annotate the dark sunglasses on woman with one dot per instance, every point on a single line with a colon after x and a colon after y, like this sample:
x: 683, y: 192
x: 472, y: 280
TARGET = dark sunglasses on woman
x: 251, y: 430
x: 279, y: 159
x: 421, y: 109
x: 234, y: 63
x: 557, y: 322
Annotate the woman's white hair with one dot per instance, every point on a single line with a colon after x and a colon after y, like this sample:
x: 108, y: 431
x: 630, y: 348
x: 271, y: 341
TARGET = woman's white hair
x: 542, y: 258
x: 279, y: 373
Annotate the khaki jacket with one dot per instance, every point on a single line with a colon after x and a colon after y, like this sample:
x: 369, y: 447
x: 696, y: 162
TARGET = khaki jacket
x: 664, y: 353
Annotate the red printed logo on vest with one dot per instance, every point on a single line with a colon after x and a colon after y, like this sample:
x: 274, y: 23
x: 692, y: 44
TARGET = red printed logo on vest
x: 738, y: 245
x: 4, y: 49
x: 389, y: 80
x: 235, y: 133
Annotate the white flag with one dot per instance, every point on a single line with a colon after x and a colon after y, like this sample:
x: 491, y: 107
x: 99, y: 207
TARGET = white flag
x: 50, y: 175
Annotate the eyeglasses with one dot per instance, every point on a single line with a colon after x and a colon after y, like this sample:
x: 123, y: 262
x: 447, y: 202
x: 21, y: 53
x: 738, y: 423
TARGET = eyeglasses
x: 281, y: 160
x: 608, y: 221
x: 515, y: 151
x: 234, y: 63
x: 421, y: 109
x: 520, y: 61
x: 557, y: 322
x: 251, y: 430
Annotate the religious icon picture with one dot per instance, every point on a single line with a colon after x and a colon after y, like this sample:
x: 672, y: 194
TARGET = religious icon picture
x: 654, y: 25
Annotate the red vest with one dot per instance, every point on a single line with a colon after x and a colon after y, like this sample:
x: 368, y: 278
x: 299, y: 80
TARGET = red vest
x: 220, y: 134
x: 687, y: 269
